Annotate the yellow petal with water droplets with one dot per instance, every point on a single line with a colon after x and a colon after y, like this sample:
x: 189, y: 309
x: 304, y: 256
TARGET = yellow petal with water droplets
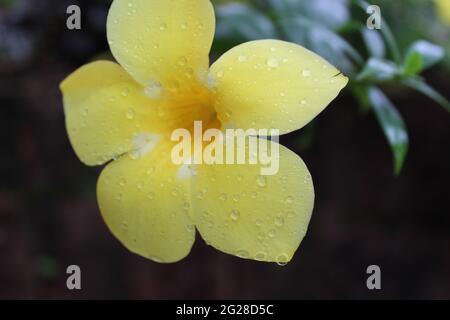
x: 146, y: 207
x: 107, y: 112
x: 163, y: 42
x: 240, y: 212
x: 273, y: 84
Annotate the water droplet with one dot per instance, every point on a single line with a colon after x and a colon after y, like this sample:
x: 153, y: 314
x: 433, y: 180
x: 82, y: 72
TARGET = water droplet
x: 151, y: 195
x: 236, y: 198
x: 235, y: 215
x: 122, y: 182
x: 140, y: 185
x: 303, y: 102
x: 175, y: 193
x: 223, y: 196
x: 242, y: 253
x: 307, y: 179
x: 163, y: 27
x: 259, y: 223
x: 182, y: 61
x: 119, y: 197
x: 130, y: 114
x: 184, y: 26
x: 282, y: 259
x: 154, y: 90
x: 260, y: 256
x: 306, y: 73
x: 261, y: 181
x: 220, y: 74
x: 242, y: 58
x: 279, y: 221
x: 272, y: 233
x: 282, y: 94
x: 272, y: 62
x: 150, y: 171
x: 289, y: 200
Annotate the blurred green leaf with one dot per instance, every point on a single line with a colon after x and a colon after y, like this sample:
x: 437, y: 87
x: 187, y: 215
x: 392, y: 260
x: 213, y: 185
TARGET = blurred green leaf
x: 374, y: 42
x: 413, y: 64
x: 238, y: 22
x: 328, y: 13
x: 392, y: 124
x: 422, y: 55
x: 378, y: 70
x: 360, y: 92
x: 387, y: 33
x: 322, y: 41
x: 422, y: 87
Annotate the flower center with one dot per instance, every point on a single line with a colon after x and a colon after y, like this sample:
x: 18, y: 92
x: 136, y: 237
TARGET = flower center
x: 187, y: 106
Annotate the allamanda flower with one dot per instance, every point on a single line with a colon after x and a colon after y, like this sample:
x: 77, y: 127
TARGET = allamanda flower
x: 443, y: 7
x: 123, y: 114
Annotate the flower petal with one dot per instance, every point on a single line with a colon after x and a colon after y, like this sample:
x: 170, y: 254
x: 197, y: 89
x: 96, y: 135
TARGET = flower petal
x: 161, y: 41
x: 443, y: 8
x: 146, y: 207
x: 107, y: 112
x: 273, y: 84
x: 240, y: 212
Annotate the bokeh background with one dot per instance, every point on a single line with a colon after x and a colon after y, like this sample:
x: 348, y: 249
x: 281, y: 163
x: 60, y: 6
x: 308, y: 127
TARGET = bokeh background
x: 364, y: 214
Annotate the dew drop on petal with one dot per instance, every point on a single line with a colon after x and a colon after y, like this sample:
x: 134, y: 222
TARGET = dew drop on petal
x: 279, y: 221
x: 261, y: 181
x: 154, y: 90
x: 122, y: 182
x: 272, y: 62
x: 242, y: 58
x: 260, y: 256
x: 130, y: 114
x: 289, y: 200
x: 272, y: 233
x: 282, y: 259
x: 242, y: 253
x: 235, y: 215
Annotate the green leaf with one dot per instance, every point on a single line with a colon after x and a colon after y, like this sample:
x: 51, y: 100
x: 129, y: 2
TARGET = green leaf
x: 422, y: 87
x: 429, y: 54
x: 387, y: 34
x: 378, y: 70
x: 331, y: 14
x: 413, y: 64
x: 392, y: 124
x: 238, y: 22
x: 322, y: 41
x: 374, y: 42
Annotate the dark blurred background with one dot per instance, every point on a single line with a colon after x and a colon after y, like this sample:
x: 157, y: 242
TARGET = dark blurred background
x: 364, y: 214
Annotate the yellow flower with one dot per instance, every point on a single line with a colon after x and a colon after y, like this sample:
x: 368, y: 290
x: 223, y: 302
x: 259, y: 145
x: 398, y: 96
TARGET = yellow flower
x: 443, y: 8
x: 127, y: 112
